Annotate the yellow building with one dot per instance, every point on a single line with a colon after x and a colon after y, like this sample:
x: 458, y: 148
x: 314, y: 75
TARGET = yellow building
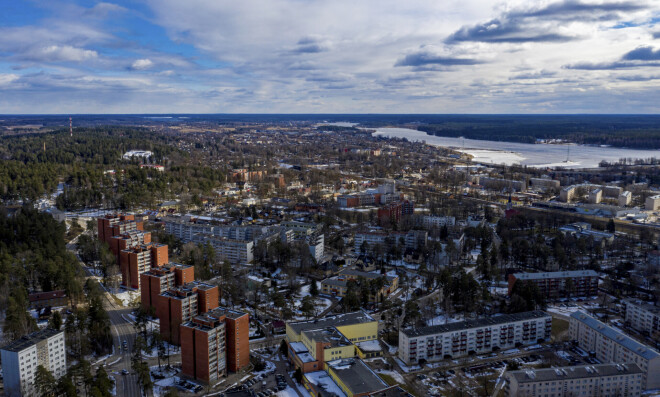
x: 355, y: 378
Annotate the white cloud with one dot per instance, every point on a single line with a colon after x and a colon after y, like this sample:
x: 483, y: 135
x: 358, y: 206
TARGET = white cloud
x: 7, y: 78
x: 56, y: 53
x: 142, y: 64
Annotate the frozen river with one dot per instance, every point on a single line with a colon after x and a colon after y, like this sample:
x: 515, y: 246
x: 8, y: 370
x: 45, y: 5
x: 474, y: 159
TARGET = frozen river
x: 534, y: 155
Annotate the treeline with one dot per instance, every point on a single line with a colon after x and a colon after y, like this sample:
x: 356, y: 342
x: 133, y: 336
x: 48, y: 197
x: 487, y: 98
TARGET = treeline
x: 33, y: 255
x: 642, y: 132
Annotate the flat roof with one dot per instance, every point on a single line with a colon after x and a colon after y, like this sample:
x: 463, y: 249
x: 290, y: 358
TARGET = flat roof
x: 624, y: 340
x: 356, y: 376
x: 324, y: 384
x: 576, y: 372
x: 476, y: 323
x: 337, y: 320
x: 649, y: 307
x: 31, y: 339
x: 548, y: 275
x: 327, y: 335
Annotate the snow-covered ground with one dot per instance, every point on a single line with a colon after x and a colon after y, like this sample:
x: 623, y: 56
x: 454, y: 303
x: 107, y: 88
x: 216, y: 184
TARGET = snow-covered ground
x: 126, y: 297
x: 395, y: 375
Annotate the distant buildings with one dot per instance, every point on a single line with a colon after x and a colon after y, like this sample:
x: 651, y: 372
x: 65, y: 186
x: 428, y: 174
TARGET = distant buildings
x: 482, y: 335
x: 652, y: 203
x: 644, y: 317
x: 555, y: 285
x: 21, y: 358
x: 40, y: 300
x: 338, y: 285
x: 610, y: 345
x: 436, y: 222
x: 584, y: 380
x: 411, y: 239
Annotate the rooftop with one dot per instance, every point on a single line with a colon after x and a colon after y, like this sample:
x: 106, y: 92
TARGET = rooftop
x: 476, y: 323
x: 356, y: 376
x: 324, y: 384
x: 38, y: 296
x: 338, y: 320
x: 31, y: 339
x: 577, y: 372
x: 649, y: 307
x: 327, y: 335
x: 616, y: 336
x: 549, y: 275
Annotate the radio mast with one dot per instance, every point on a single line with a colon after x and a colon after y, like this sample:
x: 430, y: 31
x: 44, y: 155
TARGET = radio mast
x: 70, y: 126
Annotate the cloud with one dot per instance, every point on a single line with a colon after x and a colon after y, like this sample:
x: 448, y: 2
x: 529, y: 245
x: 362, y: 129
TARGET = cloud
x: 542, y: 74
x: 311, y: 45
x: 7, y: 78
x: 656, y: 35
x: 62, y: 53
x: 645, y: 53
x: 142, y: 64
x: 541, y: 24
x: 102, y: 10
x: 426, y: 58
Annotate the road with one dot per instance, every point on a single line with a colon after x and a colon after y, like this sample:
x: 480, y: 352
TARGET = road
x: 122, y: 330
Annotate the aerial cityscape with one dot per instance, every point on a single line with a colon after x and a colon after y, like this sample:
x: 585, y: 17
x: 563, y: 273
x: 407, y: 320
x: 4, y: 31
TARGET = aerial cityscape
x: 329, y: 199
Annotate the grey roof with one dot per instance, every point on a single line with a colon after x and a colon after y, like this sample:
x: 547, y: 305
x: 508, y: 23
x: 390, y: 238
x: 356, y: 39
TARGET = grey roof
x: 31, y: 339
x: 356, y: 376
x: 616, y: 336
x: 332, y: 321
x: 548, y: 275
x: 577, y: 372
x: 476, y: 323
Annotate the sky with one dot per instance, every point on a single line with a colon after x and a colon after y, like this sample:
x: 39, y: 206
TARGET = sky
x: 331, y: 56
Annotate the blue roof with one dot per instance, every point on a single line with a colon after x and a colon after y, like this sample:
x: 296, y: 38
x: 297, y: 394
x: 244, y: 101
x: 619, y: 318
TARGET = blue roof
x: 629, y: 343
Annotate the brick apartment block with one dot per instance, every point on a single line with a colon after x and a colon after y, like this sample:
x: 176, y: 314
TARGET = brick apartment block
x: 181, y: 304
x: 139, y: 259
x: 161, y: 279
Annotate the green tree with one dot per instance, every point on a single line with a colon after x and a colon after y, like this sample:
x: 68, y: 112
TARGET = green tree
x: 314, y: 289
x: 44, y: 382
x: 307, y: 306
x: 55, y: 321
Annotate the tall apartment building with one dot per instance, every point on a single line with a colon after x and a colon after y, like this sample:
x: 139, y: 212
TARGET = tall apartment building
x: 624, y: 380
x: 236, y: 252
x: 181, y: 304
x: 644, y: 317
x: 214, y: 342
x: 483, y: 335
x: 652, y: 203
x: 613, y: 346
x: 136, y: 260
x: 316, y: 246
x: 394, y: 211
x: 555, y: 285
x: 204, y: 348
x: 128, y: 240
x: 21, y: 358
x: 114, y: 225
x: 161, y: 279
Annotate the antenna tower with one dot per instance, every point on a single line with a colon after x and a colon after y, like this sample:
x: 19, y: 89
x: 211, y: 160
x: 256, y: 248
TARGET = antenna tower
x: 70, y: 126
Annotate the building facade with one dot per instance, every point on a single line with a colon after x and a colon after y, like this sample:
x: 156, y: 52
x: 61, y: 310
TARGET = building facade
x: 179, y: 305
x: 159, y: 280
x: 483, y: 335
x: 610, y: 345
x: 623, y: 380
x: 21, y: 358
x: 555, y: 285
x: 644, y: 317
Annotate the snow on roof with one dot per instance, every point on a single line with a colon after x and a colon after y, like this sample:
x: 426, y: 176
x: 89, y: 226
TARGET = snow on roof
x: 323, y: 381
x: 369, y: 346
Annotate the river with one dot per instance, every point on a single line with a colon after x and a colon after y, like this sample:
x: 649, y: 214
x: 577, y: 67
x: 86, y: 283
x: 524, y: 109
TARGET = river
x: 533, y: 155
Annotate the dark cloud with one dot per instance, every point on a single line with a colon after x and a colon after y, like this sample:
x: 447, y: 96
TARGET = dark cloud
x: 542, y: 74
x: 504, y: 31
x: 610, y: 65
x: 522, y: 26
x: 637, y: 78
x: 424, y: 58
x: 311, y: 45
x: 646, y: 53
x: 656, y: 35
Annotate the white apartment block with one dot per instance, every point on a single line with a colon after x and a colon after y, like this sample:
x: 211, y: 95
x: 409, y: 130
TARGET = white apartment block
x: 21, y: 358
x: 316, y: 244
x: 624, y: 380
x: 644, y: 317
x: 236, y: 252
x: 482, y: 335
x: 613, y: 346
x: 436, y: 222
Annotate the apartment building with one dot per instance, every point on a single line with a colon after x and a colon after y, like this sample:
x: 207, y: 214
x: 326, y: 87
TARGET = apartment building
x: 179, y: 305
x: 482, y: 335
x: 394, y: 211
x: 411, y: 239
x: 436, y: 222
x: 39, y: 300
x: 316, y: 246
x: 158, y: 280
x: 544, y: 183
x: 114, y: 224
x: 204, y: 348
x: 644, y: 317
x: 21, y: 358
x: 236, y: 252
x: 555, y: 285
x: 610, y: 345
x: 338, y: 285
x: 128, y: 240
x: 136, y: 260
x: 624, y: 380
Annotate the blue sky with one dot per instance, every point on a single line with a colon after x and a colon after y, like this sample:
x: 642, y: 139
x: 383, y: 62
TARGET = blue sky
x: 340, y: 56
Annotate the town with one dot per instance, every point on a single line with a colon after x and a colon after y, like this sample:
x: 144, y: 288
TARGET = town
x: 320, y: 259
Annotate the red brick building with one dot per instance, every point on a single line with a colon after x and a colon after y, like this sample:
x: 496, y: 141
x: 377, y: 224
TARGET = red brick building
x: 181, y: 304
x: 393, y: 212
x: 161, y: 279
x: 139, y: 259
x: 214, y: 342
x: 114, y: 224
x: 40, y: 300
